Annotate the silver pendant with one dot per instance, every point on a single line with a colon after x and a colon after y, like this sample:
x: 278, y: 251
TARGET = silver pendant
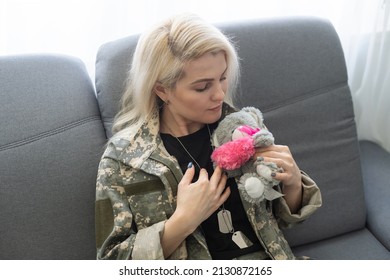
x: 225, y: 223
x: 241, y: 240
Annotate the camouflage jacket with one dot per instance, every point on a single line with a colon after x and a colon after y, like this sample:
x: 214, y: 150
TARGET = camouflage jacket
x: 136, y: 193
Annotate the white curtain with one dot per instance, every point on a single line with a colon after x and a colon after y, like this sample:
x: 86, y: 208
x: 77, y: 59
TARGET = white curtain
x: 78, y: 28
x: 367, y: 49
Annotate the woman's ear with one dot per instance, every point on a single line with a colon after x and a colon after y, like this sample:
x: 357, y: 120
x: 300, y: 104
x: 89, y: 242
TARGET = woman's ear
x: 161, y: 92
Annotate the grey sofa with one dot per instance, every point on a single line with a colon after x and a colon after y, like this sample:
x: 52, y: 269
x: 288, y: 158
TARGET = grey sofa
x: 54, y: 125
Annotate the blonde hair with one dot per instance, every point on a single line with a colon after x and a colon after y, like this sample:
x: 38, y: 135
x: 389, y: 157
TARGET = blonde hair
x: 160, y: 56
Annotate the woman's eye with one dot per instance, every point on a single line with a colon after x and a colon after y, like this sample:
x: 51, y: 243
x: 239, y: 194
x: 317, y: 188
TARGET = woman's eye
x: 206, y: 86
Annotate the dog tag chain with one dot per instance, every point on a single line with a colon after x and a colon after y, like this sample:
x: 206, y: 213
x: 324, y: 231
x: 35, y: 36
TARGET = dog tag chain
x: 225, y: 225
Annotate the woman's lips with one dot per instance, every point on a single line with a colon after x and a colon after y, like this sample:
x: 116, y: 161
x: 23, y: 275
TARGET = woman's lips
x: 216, y: 108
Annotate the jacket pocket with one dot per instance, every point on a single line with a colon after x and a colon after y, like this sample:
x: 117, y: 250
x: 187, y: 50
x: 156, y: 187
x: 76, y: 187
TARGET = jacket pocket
x: 149, y: 205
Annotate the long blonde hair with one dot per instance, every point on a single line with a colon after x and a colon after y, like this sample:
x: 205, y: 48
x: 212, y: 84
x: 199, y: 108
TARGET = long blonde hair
x: 160, y: 56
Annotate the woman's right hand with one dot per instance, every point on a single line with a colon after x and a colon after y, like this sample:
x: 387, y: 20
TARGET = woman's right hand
x: 195, y: 203
x: 198, y: 200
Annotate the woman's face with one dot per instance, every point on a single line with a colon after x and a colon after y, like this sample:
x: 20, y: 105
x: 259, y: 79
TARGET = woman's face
x: 198, y: 96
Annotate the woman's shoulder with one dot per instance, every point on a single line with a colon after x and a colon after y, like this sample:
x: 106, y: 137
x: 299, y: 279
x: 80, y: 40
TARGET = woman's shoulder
x: 115, y: 147
x: 132, y: 147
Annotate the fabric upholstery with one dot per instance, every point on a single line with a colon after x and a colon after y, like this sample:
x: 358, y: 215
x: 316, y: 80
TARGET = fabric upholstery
x: 113, y: 61
x: 376, y: 176
x: 357, y: 245
x: 51, y: 141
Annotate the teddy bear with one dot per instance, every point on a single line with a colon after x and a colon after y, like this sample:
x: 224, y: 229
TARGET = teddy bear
x: 235, y: 141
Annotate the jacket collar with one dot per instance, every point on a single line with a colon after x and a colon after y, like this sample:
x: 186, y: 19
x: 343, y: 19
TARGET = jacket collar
x: 142, y: 143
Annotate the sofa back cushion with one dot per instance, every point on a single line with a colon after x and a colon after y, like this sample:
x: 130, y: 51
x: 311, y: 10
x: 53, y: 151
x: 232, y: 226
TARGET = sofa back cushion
x: 113, y: 63
x: 51, y: 141
x: 293, y: 69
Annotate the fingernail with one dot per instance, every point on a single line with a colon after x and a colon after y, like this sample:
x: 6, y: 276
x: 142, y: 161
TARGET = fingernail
x: 273, y: 174
x: 189, y: 165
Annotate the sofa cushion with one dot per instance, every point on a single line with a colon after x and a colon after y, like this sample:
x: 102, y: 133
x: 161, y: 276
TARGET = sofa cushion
x: 357, y: 245
x: 376, y: 176
x: 51, y: 141
x: 113, y: 62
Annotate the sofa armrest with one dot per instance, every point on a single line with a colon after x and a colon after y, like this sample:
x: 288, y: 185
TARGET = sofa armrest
x: 376, y: 177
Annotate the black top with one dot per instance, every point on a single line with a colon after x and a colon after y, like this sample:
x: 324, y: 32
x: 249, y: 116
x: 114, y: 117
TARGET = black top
x: 220, y: 244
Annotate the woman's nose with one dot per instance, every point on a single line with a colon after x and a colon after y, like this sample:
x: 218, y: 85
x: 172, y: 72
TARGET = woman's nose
x: 219, y: 93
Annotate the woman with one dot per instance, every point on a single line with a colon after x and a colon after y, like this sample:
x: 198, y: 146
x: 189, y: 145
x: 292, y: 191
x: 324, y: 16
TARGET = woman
x: 158, y: 195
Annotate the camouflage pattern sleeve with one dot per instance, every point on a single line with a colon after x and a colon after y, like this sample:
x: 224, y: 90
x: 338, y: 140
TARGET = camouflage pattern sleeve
x: 311, y: 201
x: 116, y: 235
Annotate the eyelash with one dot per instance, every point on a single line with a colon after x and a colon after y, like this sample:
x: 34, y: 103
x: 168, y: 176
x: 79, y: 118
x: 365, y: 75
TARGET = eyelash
x: 208, y: 85
x: 203, y: 89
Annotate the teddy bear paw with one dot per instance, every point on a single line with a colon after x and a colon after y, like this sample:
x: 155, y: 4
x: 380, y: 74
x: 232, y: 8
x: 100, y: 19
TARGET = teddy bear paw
x: 254, y: 187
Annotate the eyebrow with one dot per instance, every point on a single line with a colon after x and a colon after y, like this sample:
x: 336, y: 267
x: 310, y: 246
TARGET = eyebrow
x: 202, y: 80
x: 207, y: 79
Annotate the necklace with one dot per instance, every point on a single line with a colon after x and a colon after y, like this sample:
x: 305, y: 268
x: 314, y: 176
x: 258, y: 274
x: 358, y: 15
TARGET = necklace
x: 225, y: 222
x: 185, y: 149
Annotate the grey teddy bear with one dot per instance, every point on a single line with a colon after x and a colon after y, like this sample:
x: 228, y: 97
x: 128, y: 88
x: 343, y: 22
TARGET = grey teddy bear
x: 235, y: 140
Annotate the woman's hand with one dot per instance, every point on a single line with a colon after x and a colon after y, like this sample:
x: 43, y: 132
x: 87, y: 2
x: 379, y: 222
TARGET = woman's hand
x: 291, y: 175
x: 195, y: 203
x: 200, y: 199
x: 282, y: 157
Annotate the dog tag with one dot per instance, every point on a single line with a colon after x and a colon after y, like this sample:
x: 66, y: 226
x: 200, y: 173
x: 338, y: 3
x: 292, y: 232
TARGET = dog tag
x: 225, y: 221
x: 241, y: 240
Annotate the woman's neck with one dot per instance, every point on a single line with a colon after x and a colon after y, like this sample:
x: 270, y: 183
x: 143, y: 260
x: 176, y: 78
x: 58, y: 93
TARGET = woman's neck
x: 176, y: 126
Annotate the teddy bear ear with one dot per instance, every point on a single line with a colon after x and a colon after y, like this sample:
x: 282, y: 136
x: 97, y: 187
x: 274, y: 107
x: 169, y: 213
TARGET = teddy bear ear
x: 255, y: 113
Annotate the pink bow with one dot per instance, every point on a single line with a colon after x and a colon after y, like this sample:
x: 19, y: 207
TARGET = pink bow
x: 248, y: 130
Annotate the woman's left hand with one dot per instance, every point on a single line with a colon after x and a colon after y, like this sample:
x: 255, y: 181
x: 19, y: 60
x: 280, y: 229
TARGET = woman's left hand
x: 282, y: 157
x: 290, y: 177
